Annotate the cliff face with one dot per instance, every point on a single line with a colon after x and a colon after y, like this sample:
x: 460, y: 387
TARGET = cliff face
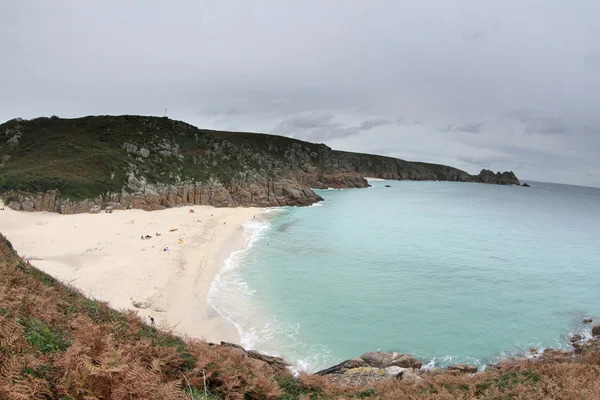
x: 88, y: 164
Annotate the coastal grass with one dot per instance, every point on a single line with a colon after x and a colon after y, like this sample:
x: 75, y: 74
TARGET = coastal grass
x: 57, y: 344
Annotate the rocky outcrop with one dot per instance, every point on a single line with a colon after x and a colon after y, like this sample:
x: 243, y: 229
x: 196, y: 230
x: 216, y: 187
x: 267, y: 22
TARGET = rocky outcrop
x: 504, y: 178
x: 596, y: 330
x: 277, y: 363
x: 373, y: 367
x: 525, y: 185
x: 140, y: 194
x: 575, y: 338
x: 465, y: 368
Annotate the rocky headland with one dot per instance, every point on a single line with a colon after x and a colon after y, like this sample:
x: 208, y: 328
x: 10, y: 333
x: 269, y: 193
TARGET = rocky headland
x: 374, y: 367
x: 98, y: 162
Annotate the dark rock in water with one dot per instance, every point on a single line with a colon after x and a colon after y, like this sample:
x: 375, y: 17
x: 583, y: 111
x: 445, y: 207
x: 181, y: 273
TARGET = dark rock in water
x: 387, y: 186
x: 587, y: 320
x: 471, y: 369
x: 596, y: 330
x: 525, y: 185
x: 575, y: 338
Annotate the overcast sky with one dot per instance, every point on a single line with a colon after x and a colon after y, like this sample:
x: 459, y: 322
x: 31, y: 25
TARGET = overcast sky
x: 507, y: 85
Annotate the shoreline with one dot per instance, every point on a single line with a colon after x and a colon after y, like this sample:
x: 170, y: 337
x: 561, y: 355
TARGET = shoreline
x: 104, y: 257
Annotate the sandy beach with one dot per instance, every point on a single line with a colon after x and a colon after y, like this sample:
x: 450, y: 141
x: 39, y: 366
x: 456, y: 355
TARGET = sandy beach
x: 167, y: 276
x: 374, y: 179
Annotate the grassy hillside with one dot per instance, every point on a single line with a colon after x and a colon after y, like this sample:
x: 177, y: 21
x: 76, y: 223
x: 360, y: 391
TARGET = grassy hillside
x: 91, y: 157
x: 57, y: 344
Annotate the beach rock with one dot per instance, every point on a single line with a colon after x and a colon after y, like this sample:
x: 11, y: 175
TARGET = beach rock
x: 576, y: 337
x: 463, y: 368
x: 587, y: 320
x: 409, y: 376
x: 382, y: 359
x: 596, y: 330
x: 525, y: 185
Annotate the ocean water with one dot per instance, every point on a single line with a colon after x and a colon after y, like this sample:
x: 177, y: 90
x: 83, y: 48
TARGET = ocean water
x: 450, y: 272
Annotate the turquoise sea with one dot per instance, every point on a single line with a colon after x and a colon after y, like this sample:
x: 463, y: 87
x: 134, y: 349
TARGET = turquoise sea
x: 450, y: 272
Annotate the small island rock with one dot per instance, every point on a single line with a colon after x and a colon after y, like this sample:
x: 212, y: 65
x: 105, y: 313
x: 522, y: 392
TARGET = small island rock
x: 587, y: 320
x: 525, y: 185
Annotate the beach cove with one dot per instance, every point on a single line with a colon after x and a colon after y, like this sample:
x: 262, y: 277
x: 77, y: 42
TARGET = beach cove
x: 166, y: 277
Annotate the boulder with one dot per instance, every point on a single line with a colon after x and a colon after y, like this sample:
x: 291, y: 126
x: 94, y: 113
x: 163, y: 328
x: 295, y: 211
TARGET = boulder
x: 575, y: 338
x: 596, y: 330
x: 409, y: 376
x: 463, y: 368
x: 394, y: 370
x: 587, y: 320
x: 525, y: 185
x: 382, y: 359
x: 361, y: 376
x: 277, y: 363
x: 342, y: 367
x: 579, y: 347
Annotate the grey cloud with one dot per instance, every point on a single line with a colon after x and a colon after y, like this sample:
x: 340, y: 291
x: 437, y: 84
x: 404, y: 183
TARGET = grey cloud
x: 546, y: 125
x: 477, y: 35
x: 321, y: 127
x: 534, y: 123
x: 592, y: 59
x: 370, y: 124
x: 470, y: 127
x: 402, y: 121
x: 306, y: 121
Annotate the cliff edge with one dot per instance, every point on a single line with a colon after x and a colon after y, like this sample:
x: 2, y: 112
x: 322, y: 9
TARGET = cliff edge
x: 91, y: 163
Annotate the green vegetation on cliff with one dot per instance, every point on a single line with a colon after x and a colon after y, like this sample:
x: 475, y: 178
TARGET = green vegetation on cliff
x: 86, y: 164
